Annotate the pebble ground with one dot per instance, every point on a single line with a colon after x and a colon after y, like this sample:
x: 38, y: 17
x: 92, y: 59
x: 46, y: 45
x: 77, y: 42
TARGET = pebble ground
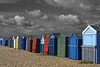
x: 10, y: 57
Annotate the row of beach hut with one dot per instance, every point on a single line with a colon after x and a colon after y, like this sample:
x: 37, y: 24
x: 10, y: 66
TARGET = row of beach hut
x: 77, y: 46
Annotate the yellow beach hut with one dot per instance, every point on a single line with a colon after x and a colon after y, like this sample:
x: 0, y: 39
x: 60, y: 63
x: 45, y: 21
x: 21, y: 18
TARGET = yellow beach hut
x: 14, y: 42
x: 18, y: 42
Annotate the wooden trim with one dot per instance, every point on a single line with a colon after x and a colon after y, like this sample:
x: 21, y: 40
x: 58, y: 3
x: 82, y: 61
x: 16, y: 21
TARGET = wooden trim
x: 88, y: 46
x: 72, y: 46
x: 89, y: 34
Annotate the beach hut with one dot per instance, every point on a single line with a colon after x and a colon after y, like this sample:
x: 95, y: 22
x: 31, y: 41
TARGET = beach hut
x: 53, y: 44
x: 23, y: 43
x: 6, y: 42
x: 62, y: 44
x: 74, y: 46
x: 91, y: 44
x: 42, y: 44
x: 10, y: 42
x: 38, y: 40
x: 30, y: 41
x: 26, y: 42
x: 46, y: 43
x: 36, y: 43
x: 14, y: 42
x: 1, y: 41
x: 18, y: 42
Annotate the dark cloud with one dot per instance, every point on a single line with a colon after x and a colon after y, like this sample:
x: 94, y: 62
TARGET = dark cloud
x: 10, y: 1
x: 84, y: 5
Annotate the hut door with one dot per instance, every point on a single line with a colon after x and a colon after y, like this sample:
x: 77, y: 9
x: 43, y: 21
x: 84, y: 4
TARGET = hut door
x: 74, y: 48
x: 60, y: 47
x: 63, y: 47
x: 51, y: 46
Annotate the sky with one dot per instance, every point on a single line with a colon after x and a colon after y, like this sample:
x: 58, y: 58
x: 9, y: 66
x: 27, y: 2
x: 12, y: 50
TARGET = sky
x: 24, y: 17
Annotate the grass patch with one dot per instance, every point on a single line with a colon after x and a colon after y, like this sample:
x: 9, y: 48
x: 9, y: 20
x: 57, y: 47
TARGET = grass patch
x: 86, y: 62
x: 34, y: 52
x: 43, y: 54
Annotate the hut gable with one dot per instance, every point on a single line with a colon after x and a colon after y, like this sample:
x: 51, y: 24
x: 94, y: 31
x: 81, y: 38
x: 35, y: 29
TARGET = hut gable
x: 51, y: 36
x: 55, y: 34
x: 60, y: 35
x: 42, y: 39
x: 77, y: 35
x: 91, y: 29
x: 48, y: 34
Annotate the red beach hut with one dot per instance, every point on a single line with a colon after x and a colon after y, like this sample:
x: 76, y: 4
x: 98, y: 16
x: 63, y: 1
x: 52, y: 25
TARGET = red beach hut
x: 34, y: 44
x: 46, y: 43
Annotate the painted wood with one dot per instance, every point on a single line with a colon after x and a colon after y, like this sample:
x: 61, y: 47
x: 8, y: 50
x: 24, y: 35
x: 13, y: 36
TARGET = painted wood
x: 42, y: 44
x: 91, y: 44
x: 46, y: 43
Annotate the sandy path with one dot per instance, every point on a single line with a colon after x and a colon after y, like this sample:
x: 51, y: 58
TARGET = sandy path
x: 10, y: 57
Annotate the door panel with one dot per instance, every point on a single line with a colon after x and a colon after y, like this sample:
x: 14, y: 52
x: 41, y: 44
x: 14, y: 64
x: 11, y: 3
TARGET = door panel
x: 51, y: 50
x: 63, y: 45
x: 59, y: 51
x: 89, y: 40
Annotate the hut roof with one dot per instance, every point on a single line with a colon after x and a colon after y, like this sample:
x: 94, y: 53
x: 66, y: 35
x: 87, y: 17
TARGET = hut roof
x: 96, y: 27
x: 55, y: 34
x: 78, y: 35
x: 47, y: 34
x: 38, y: 36
x: 67, y: 34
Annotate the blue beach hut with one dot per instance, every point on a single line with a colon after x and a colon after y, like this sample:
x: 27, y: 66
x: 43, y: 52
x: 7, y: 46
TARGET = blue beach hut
x: 12, y: 43
x: 53, y: 44
x: 23, y: 43
x: 5, y: 42
x: 42, y: 44
x: 1, y: 41
x: 74, y: 46
x: 26, y: 42
x: 91, y: 44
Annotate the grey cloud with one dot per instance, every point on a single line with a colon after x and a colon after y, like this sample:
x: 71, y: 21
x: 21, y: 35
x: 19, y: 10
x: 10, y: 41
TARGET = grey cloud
x: 10, y: 1
x: 79, y: 5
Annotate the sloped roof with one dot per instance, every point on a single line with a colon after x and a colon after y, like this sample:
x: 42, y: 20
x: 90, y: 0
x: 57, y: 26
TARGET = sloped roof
x: 38, y: 36
x: 96, y: 27
x: 67, y: 34
x: 31, y: 36
x: 78, y: 35
x: 47, y: 34
x: 55, y: 34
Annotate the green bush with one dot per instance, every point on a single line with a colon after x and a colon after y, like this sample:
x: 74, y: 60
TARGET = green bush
x: 86, y: 62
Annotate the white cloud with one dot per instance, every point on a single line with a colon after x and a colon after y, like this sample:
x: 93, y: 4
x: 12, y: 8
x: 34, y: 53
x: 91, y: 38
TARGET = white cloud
x: 44, y: 17
x: 68, y: 17
x: 35, y: 13
x: 19, y: 20
x: 1, y: 17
